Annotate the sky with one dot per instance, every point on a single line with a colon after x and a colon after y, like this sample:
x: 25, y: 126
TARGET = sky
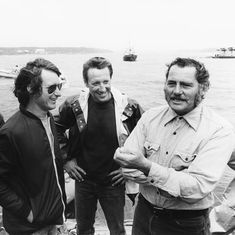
x: 118, y: 24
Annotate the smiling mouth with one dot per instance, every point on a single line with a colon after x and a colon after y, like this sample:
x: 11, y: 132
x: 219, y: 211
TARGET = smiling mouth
x: 103, y: 94
x: 175, y: 100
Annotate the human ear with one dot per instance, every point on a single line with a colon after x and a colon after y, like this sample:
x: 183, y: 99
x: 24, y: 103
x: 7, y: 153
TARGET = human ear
x: 29, y: 89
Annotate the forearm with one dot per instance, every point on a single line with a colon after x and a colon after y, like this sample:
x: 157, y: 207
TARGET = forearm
x: 135, y: 175
x: 190, y: 185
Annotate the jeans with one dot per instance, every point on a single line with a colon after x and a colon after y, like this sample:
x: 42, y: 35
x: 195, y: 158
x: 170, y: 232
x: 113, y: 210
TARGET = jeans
x: 48, y: 230
x: 112, y: 201
x: 147, y: 223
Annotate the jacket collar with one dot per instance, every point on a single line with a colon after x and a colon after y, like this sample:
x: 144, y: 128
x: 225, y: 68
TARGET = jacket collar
x: 29, y: 114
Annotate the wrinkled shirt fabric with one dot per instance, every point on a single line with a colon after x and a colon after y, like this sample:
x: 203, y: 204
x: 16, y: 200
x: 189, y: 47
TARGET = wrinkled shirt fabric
x: 188, y: 153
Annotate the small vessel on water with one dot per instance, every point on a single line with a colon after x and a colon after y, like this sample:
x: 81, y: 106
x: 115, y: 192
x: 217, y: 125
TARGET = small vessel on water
x: 130, y: 55
x: 7, y: 74
x: 225, y: 53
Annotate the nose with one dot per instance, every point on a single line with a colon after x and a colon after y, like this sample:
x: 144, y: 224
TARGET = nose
x: 57, y: 92
x: 102, y: 87
x: 178, y: 89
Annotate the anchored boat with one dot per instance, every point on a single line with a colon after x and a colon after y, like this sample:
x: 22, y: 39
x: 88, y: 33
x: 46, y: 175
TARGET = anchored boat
x: 225, y: 53
x: 130, y: 55
x: 7, y: 74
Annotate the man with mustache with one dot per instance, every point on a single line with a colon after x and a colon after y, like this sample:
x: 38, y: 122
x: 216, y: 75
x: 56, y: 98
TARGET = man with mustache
x: 31, y: 168
x: 177, y: 153
x: 99, y: 120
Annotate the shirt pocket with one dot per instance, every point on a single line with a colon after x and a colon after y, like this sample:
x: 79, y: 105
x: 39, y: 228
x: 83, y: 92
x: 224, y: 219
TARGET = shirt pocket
x: 181, y: 160
x: 150, y: 149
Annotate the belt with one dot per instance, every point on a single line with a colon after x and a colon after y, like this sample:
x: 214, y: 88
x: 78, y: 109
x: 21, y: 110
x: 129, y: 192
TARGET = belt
x: 178, y: 214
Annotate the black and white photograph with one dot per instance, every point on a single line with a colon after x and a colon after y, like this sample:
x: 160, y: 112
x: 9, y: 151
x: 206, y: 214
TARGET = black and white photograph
x: 117, y: 117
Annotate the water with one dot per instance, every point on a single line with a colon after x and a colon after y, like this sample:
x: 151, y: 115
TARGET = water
x: 142, y: 80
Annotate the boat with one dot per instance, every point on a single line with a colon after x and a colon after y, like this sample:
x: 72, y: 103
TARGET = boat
x: 225, y: 53
x: 8, y: 74
x: 130, y: 55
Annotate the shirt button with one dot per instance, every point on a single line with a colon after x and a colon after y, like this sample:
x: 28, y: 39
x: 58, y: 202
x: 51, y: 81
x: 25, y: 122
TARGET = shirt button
x: 166, y: 152
x: 152, y: 181
x: 174, y: 133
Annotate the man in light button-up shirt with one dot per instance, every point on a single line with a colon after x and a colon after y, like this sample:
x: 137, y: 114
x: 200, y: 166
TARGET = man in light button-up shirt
x: 177, y: 153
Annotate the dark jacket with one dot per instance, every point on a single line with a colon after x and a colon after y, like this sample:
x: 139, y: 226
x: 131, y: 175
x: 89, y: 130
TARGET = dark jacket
x: 28, y: 176
x: 1, y: 120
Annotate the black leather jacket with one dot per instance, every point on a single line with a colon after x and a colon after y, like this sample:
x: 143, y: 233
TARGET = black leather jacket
x: 29, y: 177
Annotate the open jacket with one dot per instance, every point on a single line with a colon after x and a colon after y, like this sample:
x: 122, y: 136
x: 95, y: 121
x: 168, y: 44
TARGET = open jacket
x: 30, y: 178
x: 73, y: 117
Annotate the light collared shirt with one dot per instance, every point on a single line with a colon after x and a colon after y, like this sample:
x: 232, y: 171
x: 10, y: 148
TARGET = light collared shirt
x: 188, y: 154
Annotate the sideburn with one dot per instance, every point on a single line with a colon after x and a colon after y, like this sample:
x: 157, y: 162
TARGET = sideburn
x: 199, y: 96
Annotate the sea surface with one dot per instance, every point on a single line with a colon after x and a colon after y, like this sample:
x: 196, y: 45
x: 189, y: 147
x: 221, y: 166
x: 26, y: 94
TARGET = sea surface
x: 142, y: 80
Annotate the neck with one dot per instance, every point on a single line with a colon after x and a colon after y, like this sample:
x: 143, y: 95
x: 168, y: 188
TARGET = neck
x: 37, y: 111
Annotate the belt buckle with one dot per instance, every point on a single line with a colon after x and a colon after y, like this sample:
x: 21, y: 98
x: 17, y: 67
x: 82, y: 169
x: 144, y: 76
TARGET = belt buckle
x: 158, y: 208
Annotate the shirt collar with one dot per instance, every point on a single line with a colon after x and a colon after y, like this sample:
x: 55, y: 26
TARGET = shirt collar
x: 170, y: 116
x: 192, y: 118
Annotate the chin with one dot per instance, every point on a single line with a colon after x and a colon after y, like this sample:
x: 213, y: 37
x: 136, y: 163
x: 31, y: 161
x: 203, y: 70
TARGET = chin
x: 51, y: 107
x: 177, y: 110
x: 104, y: 99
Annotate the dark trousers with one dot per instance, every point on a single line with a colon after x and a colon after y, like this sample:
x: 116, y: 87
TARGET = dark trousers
x: 148, y: 223
x: 112, y: 201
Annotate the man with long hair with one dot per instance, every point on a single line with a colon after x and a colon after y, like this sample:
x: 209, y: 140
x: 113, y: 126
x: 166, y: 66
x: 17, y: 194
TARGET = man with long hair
x: 31, y: 169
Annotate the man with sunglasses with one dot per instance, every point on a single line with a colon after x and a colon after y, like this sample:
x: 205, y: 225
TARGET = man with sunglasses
x: 99, y: 120
x: 31, y: 169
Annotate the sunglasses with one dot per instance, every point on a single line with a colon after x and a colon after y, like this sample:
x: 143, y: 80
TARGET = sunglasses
x: 52, y: 88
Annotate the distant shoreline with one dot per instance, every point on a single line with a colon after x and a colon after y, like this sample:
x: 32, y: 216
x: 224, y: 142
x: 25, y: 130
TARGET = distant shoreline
x: 50, y: 50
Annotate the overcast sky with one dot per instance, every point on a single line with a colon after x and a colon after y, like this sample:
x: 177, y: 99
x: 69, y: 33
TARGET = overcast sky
x: 116, y: 24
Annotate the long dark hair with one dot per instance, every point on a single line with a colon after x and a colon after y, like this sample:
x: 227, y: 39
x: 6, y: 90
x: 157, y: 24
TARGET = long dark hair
x: 31, y: 75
